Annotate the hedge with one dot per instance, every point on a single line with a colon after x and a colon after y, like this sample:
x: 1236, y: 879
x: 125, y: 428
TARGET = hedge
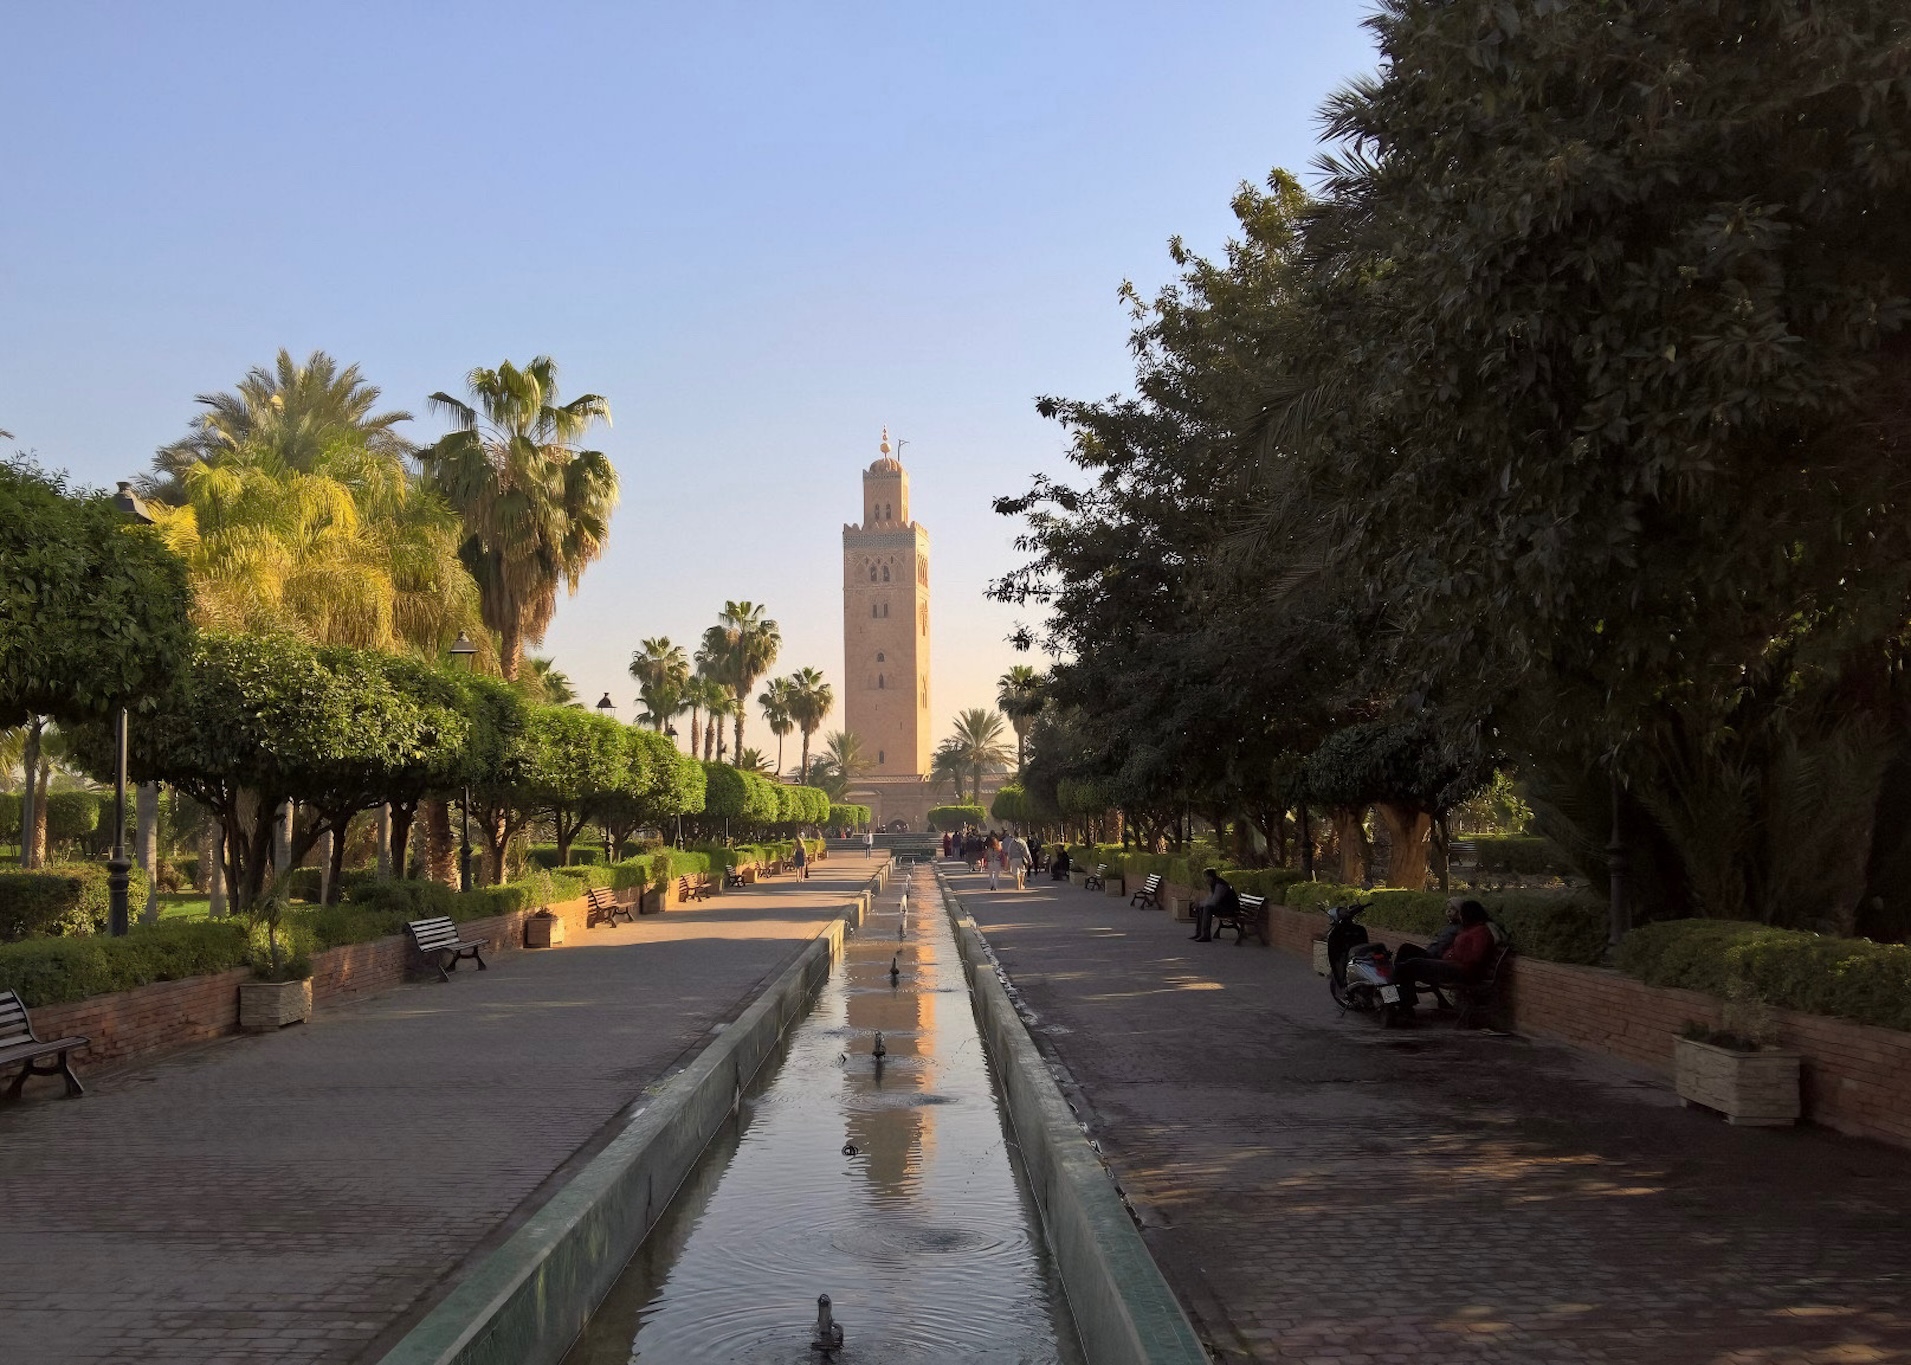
x: 49, y: 971
x: 1519, y: 853
x: 850, y: 814
x: 954, y: 818
x: 1550, y: 925
x: 1846, y: 978
x: 70, y: 899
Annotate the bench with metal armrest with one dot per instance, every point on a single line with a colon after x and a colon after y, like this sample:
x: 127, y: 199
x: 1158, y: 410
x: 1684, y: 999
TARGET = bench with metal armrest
x: 1149, y: 896
x: 1249, y: 918
x: 1096, y: 880
x: 438, y: 944
x: 604, y: 907
x: 19, y: 1043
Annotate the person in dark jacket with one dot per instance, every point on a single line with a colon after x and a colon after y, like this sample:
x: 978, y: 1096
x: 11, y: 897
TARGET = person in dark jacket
x: 1219, y: 900
x: 1058, y: 866
x: 1465, y: 959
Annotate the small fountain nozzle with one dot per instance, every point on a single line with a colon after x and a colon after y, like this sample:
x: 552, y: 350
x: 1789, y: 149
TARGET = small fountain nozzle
x: 879, y: 1051
x: 895, y: 968
x: 829, y: 1332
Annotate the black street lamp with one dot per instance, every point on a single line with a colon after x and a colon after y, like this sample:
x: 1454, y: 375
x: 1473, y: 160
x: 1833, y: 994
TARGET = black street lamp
x: 607, y: 707
x: 119, y: 867
x: 463, y: 651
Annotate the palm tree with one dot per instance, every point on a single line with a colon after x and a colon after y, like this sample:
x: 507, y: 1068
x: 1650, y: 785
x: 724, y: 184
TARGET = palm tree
x: 348, y: 550
x: 547, y: 684
x: 536, y: 509
x: 977, y: 744
x: 841, y: 763
x: 741, y: 647
x: 810, y: 701
x: 775, y: 700
x: 756, y: 761
x: 1019, y: 695
x: 662, y: 672
x: 709, y: 698
x: 296, y: 412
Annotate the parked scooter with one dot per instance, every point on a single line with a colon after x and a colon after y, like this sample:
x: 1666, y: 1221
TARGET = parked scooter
x: 1360, y: 973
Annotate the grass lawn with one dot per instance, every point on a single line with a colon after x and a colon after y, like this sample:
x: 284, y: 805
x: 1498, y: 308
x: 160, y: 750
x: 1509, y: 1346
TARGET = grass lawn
x: 183, y: 905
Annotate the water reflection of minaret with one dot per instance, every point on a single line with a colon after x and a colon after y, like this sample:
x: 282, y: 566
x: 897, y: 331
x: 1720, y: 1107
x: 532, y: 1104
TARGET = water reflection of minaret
x: 893, y: 1134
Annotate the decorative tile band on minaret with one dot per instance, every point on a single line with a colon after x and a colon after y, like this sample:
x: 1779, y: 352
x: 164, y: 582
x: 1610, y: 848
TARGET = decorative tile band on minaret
x: 886, y: 627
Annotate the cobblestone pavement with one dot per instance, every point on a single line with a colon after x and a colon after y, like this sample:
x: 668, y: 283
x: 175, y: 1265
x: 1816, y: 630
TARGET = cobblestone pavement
x: 1319, y: 1190
x: 302, y: 1197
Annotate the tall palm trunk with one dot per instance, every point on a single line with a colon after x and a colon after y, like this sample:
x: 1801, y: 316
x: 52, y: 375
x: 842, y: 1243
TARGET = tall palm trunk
x: 384, y: 841
x: 806, y: 755
x: 696, y: 722
x: 441, y: 856
x: 213, y: 863
x: 146, y: 845
x: 710, y: 739
x: 37, y: 843
x: 31, y: 811
x: 743, y: 701
x: 510, y: 651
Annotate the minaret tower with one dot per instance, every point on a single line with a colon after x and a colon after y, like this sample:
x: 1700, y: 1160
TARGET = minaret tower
x: 886, y: 635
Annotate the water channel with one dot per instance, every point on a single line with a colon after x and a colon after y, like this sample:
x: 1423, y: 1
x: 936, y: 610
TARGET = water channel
x: 894, y: 1189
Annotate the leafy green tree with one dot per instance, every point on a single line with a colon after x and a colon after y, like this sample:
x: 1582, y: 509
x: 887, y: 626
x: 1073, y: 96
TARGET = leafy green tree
x: 575, y: 759
x: 536, y: 509
x: 94, y: 612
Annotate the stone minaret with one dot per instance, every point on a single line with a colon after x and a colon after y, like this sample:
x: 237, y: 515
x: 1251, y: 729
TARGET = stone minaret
x: 886, y: 626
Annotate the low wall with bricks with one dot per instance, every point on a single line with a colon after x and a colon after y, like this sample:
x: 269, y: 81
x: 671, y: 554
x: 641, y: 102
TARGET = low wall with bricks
x: 130, y: 1026
x: 1857, y: 1079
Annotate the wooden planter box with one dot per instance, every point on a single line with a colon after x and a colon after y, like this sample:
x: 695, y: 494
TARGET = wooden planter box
x: 1179, y: 904
x: 1758, y: 1089
x: 1076, y: 876
x: 1115, y: 887
x: 268, y: 1005
x: 748, y: 873
x: 543, y: 931
x: 1320, y: 957
x: 653, y: 899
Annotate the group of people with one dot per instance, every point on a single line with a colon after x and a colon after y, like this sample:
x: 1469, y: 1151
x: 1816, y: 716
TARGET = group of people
x: 1454, y: 956
x: 995, y: 854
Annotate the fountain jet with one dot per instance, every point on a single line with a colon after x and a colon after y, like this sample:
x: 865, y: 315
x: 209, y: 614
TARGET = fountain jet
x: 829, y: 1332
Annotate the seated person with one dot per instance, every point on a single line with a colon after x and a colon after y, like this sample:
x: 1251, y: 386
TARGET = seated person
x: 1465, y: 958
x: 1058, y: 866
x: 1220, y: 899
x: 1437, y: 945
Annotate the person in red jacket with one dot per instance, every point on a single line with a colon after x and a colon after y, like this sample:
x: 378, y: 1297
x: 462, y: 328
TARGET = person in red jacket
x: 1464, y: 960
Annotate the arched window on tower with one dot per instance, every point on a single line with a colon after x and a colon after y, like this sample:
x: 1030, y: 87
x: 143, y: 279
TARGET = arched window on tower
x: 879, y: 681
x: 879, y: 657
x: 873, y: 610
x: 885, y: 611
x: 872, y: 573
x: 924, y: 612
x: 885, y: 573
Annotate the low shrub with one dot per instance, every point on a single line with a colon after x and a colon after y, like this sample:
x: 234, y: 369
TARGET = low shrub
x: 51, y: 971
x: 1555, y: 926
x: 955, y: 817
x: 1271, y: 882
x: 1527, y: 854
x: 1846, y: 978
x: 70, y: 899
x: 582, y: 855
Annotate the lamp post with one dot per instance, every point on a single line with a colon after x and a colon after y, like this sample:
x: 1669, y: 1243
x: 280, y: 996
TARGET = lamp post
x: 463, y: 651
x: 608, y: 708
x: 670, y: 731
x: 118, y: 866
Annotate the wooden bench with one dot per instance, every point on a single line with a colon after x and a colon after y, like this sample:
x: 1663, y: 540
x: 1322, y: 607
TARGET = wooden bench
x: 1471, y: 997
x: 438, y: 943
x: 1251, y: 918
x: 1096, y: 880
x: 604, y: 906
x: 19, y: 1043
x: 688, y: 890
x: 1149, y: 897
x: 733, y: 876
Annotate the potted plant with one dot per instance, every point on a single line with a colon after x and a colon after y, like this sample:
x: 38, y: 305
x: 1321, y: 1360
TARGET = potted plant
x: 1738, y: 1069
x: 543, y: 930
x: 1114, y: 884
x: 280, y: 992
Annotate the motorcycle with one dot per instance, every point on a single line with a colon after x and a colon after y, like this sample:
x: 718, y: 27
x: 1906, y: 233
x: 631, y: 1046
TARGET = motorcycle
x: 1360, y: 973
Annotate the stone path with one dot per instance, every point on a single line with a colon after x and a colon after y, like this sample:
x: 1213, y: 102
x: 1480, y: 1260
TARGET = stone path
x: 303, y: 1197
x: 1318, y: 1190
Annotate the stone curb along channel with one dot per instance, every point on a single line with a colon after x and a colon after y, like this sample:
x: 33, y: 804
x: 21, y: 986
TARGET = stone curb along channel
x: 1123, y: 1309
x: 526, y: 1302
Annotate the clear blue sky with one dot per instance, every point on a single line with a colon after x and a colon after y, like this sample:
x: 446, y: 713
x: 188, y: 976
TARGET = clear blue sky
x: 763, y: 231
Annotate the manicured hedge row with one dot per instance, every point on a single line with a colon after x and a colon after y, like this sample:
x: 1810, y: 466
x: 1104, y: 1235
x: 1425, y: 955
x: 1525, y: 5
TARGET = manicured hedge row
x: 955, y: 817
x: 1847, y: 978
x: 1552, y: 925
x: 63, y: 900
x: 51, y: 970
x: 1520, y: 853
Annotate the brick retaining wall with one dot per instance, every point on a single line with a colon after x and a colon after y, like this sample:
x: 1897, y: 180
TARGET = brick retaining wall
x: 130, y: 1026
x: 1857, y: 1079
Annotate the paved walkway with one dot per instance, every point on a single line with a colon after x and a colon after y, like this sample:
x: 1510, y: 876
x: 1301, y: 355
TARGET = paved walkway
x: 303, y: 1197
x: 1318, y: 1190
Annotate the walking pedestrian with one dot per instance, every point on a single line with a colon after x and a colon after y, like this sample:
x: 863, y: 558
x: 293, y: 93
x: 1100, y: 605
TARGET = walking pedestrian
x: 801, y: 860
x: 869, y: 843
x: 1020, y: 859
x: 994, y: 857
